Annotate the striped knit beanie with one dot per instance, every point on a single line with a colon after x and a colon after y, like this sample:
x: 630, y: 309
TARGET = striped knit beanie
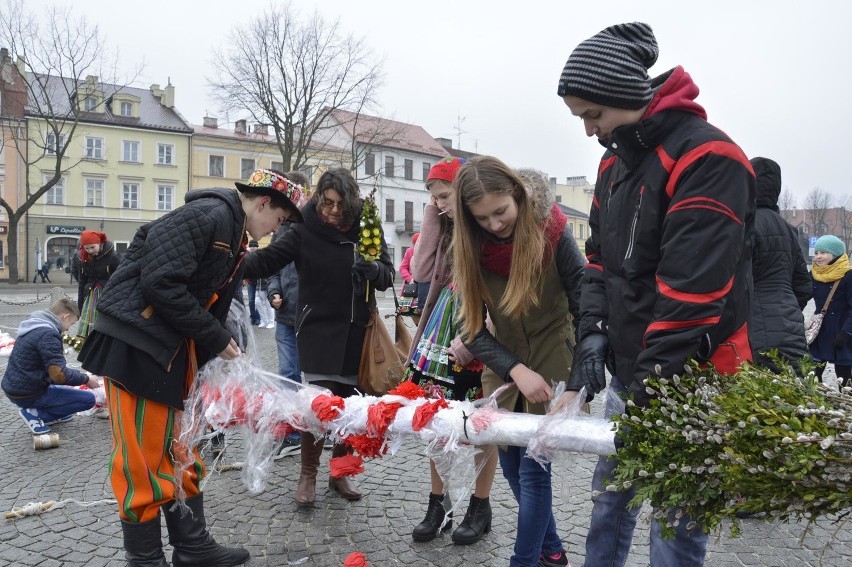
x: 611, y: 67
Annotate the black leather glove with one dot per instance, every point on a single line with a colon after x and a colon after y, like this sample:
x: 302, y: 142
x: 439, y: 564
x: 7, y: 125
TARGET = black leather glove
x: 841, y: 340
x: 590, y: 363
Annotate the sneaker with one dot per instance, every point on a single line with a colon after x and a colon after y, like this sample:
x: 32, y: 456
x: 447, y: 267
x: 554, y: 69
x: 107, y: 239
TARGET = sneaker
x: 33, y: 421
x: 102, y: 413
x: 61, y: 419
x: 289, y: 446
x: 560, y: 560
x: 271, y: 325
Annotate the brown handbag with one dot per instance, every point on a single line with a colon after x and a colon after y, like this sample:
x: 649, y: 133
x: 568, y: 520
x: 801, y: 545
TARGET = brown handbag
x: 383, y: 360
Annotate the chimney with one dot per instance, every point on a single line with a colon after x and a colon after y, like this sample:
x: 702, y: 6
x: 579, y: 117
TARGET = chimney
x: 445, y: 142
x: 156, y: 90
x: 240, y: 126
x: 261, y: 129
x: 210, y: 122
x: 168, y: 98
x: 552, y: 181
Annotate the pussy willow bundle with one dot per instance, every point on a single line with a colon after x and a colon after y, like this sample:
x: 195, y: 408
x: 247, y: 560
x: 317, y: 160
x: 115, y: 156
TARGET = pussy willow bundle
x: 760, y: 441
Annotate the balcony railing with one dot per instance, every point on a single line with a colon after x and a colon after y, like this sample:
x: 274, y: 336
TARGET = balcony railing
x: 407, y: 226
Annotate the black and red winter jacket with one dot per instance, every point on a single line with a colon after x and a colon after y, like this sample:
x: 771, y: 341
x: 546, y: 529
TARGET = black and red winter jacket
x: 669, y: 267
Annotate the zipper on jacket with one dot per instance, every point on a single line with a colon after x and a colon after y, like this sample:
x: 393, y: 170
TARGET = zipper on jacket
x: 632, y: 240
x: 306, y: 310
x: 354, y: 259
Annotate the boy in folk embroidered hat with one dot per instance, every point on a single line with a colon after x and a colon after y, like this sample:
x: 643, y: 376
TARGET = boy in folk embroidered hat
x: 161, y: 316
x: 684, y: 194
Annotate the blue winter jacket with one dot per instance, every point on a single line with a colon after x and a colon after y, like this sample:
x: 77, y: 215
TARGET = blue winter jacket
x: 38, y: 360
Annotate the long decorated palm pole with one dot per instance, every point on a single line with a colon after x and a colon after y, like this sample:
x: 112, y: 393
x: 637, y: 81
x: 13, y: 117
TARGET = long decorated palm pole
x: 370, y: 237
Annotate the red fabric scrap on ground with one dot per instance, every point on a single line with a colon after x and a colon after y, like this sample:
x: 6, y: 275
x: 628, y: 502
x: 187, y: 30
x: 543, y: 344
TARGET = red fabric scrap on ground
x: 355, y: 559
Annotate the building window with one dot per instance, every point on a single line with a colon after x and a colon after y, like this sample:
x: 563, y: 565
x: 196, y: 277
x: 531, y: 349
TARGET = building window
x: 426, y: 167
x: 165, y: 197
x: 409, y: 216
x: 558, y: 198
x: 217, y: 166
x: 130, y: 151
x: 388, y: 166
x: 165, y: 154
x: 246, y: 168
x: 56, y: 194
x: 409, y: 169
x: 277, y: 165
x: 582, y: 231
x: 389, y: 210
x: 90, y: 103
x: 51, y: 147
x: 94, y: 192
x: 94, y: 148
x: 370, y: 164
x: 571, y: 228
x: 126, y: 109
x: 129, y: 195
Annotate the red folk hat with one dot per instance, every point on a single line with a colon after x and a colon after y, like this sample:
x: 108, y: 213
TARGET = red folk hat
x: 88, y: 237
x: 445, y: 170
x: 273, y: 184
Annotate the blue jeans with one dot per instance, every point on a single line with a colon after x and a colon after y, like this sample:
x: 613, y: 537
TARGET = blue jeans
x: 252, y: 293
x: 611, y: 529
x: 288, y: 354
x: 530, y: 483
x: 60, y: 401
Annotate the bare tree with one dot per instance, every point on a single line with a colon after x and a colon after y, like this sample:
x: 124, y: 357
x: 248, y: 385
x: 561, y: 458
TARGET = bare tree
x: 786, y: 202
x: 817, y: 203
x: 55, y: 54
x: 292, y: 74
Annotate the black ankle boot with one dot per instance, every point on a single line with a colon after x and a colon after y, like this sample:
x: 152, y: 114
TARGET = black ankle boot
x: 143, y: 545
x: 193, y: 545
x: 430, y: 527
x: 476, y: 523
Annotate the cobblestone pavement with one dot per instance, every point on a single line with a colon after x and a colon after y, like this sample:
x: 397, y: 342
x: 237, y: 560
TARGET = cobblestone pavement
x: 276, y: 533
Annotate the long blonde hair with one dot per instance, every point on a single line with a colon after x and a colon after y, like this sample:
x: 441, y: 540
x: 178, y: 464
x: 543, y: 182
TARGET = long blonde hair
x: 481, y: 175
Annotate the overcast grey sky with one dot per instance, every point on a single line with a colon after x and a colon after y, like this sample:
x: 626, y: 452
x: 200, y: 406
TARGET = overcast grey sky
x: 773, y: 74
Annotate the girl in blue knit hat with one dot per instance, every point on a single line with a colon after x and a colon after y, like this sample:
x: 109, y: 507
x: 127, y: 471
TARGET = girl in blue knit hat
x: 832, y: 273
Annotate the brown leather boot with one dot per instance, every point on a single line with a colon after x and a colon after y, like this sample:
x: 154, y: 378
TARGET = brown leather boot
x: 306, y: 489
x: 343, y: 485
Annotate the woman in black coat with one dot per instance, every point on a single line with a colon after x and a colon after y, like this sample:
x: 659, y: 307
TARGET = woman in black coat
x: 332, y: 311
x: 98, y: 261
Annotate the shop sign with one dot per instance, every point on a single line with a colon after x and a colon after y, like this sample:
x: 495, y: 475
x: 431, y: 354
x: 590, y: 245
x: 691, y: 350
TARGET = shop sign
x: 60, y: 229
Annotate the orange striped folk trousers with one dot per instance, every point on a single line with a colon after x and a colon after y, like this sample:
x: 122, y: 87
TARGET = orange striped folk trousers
x: 142, y: 469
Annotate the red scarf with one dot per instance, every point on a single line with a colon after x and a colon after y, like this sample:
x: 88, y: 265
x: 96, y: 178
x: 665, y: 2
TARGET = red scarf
x: 497, y: 256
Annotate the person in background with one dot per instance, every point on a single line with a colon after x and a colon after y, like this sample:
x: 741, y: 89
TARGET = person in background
x: 405, y: 269
x: 833, y: 344
x: 669, y: 256
x: 75, y: 264
x: 161, y: 316
x: 782, y: 284
x: 514, y: 254
x: 283, y: 294
x: 98, y: 261
x: 37, y: 378
x: 336, y: 285
x: 251, y: 290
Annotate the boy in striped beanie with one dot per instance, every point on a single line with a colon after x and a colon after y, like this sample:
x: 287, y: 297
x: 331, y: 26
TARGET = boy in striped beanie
x: 651, y: 301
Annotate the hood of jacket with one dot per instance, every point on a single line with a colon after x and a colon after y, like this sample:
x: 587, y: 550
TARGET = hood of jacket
x: 675, y: 91
x: 40, y: 320
x: 767, y: 182
x: 539, y: 192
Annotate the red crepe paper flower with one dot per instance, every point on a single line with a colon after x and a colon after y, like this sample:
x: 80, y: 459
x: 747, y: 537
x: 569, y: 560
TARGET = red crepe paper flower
x: 408, y: 389
x: 379, y: 417
x: 347, y: 465
x: 327, y: 408
x: 355, y: 559
x: 281, y: 430
x: 209, y: 394
x: 424, y: 414
x: 365, y: 445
